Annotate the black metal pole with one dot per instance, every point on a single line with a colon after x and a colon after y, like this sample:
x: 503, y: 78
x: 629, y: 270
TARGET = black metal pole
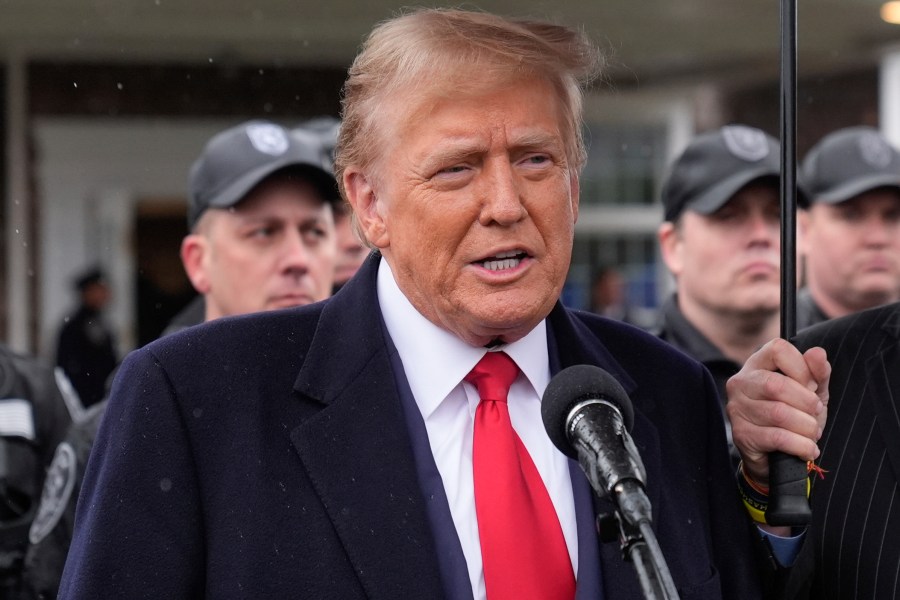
x: 788, y: 504
x: 788, y: 134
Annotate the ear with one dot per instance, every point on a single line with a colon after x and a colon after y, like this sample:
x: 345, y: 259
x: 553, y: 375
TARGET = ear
x: 670, y: 247
x: 367, y: 207
x: 194, y: 250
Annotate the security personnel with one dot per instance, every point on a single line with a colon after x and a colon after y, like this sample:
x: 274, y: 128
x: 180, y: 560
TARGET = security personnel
x: 254, y: 173
x: 849, y: 233
x: 720, y: 240
x: 87, y: 347
x: 33, y: 420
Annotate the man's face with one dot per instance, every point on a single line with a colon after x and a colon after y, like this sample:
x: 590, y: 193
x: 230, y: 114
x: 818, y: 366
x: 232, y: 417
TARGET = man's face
x: 274, y: 249
x: 852, y: 251
x: 474, y: 208
x: 728, y: 262
x: 96, y: 295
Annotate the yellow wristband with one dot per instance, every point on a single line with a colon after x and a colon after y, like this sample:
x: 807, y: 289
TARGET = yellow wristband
x: 758, y: 515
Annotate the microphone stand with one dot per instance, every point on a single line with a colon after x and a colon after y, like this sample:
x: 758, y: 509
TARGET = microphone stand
x: 638, y: 541
x: 624, y: 473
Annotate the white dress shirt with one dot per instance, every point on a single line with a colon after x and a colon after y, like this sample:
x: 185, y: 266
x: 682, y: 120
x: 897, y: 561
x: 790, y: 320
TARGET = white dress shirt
x: 435, y: 362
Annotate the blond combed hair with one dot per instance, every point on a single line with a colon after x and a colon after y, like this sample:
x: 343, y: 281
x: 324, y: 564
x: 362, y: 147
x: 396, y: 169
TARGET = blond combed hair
x: 445, y: 50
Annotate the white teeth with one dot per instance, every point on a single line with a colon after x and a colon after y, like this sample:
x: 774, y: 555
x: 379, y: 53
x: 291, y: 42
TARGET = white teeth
x: 503, y: 260
x: 499, y: 265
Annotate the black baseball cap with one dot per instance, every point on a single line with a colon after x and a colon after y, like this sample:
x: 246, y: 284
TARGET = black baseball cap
x: 715, y: 166
x: 849, y: 162
x: 238, y: 159
x: 91, y: 276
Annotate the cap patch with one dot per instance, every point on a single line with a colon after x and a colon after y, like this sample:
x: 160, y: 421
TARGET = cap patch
x: 874, y: 150
x: 268, y: 139
x: 745, y: 142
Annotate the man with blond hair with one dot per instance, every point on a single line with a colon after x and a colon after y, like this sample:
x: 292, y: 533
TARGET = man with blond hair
x: 388, y: 442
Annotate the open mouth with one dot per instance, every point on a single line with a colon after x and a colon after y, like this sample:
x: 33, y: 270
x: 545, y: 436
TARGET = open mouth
x: 503, y: 260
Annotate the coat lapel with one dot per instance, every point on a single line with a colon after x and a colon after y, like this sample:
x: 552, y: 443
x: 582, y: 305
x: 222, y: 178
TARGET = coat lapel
x: 356, y: 448
x: 883, y: 377
x: 574, y: 344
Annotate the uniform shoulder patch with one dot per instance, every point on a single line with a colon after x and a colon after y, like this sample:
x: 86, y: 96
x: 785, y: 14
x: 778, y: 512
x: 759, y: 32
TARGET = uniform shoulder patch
x: 57, y: 491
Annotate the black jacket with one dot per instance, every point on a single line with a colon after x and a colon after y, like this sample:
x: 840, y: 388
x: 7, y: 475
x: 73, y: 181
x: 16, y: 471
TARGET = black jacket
x: 33, y: 420
x: 852, y: 548
x: 86, y: 352
x: 678, y: 331
x: 268, y: 456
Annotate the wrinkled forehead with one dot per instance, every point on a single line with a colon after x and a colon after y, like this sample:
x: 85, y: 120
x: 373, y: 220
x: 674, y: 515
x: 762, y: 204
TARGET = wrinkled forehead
x: 414, y: 102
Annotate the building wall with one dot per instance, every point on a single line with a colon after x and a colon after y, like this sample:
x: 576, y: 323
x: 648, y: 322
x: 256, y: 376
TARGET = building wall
x: 825, y: 102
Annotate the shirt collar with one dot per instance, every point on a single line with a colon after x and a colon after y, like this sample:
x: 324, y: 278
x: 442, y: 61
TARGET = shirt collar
x: 435, y: 361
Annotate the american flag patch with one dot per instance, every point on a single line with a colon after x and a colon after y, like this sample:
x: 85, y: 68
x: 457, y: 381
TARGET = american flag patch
x: 16, y: 418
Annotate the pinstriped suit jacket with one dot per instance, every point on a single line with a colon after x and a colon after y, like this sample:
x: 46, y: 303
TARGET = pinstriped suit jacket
x: 853, y: 548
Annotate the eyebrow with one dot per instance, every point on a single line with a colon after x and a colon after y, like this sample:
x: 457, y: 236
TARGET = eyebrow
x: 458, y: 148
x: 537, y: 139
x: 453, y: 149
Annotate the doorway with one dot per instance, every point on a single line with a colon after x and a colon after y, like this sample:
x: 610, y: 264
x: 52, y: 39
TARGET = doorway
x: 161, y: 286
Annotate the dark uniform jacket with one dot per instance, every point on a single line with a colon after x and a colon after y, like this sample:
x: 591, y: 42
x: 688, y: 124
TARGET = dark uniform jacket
x: 86, y: 352
x: 808, y: 312
x: 269, y: 456
x: 51, y: 531
x: 678, y: 331
x: 33, y: 420
x: 852, y: 548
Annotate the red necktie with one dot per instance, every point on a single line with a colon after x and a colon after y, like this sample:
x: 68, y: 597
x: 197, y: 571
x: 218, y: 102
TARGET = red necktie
x: 522, y: 546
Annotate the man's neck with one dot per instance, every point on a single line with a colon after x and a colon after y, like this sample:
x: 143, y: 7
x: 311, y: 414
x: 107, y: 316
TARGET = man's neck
x: 835, y: 307
x: 736, y: 334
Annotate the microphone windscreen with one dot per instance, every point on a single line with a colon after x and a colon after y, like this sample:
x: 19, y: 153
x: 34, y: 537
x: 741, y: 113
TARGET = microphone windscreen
x: 573, y: 385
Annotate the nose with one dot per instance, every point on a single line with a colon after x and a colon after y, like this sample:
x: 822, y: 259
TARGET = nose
x: 295, y: 255
x: 764, y: 229
x: 502, y: 201
x: 879, y: 232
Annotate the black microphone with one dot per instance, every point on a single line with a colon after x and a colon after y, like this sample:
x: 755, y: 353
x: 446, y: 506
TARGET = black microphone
x: 587, y: 415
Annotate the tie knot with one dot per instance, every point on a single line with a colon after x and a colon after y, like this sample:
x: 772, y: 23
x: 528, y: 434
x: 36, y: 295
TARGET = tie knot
x: 493, y: 375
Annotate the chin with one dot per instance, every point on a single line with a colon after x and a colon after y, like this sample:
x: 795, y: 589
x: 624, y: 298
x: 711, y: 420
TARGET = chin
x: 509, y: 326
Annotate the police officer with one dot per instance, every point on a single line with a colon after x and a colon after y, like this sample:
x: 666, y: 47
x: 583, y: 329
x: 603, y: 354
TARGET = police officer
x: 721, y: 241
x: 87, y: 346
x: 33, y: 420
x: 850, y: 232
x: 262, y: 237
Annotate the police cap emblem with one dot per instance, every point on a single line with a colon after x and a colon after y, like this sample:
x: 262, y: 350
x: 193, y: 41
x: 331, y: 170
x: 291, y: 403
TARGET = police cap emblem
x: 745, y: 142
x: 874, y: 150
x: 268, y: 138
